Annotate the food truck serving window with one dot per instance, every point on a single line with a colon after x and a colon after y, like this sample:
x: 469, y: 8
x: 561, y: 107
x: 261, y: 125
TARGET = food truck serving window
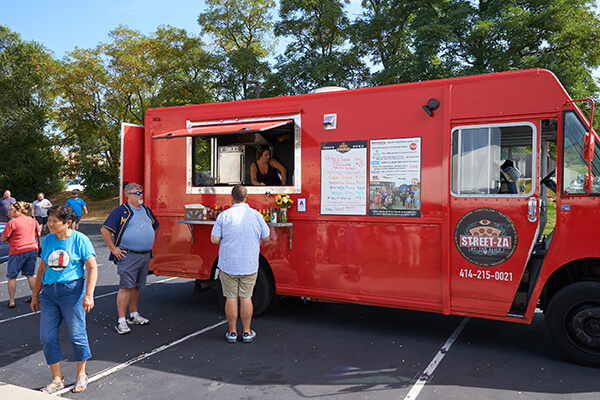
x: 222, y: 155
x: 493, y: 160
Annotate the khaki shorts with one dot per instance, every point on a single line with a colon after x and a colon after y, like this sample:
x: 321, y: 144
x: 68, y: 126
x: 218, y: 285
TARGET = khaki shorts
x: 237, y: 285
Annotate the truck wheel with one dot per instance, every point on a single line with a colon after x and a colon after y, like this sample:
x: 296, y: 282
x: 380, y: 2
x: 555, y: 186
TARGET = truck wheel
x: 264, y: 291
x: 573, y: 319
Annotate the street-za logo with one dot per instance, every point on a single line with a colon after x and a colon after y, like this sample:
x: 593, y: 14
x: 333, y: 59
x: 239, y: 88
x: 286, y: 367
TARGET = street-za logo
x: 485, y: 237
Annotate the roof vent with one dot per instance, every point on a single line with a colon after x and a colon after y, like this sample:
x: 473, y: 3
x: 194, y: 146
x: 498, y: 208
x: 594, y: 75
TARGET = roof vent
x: 328, y: 89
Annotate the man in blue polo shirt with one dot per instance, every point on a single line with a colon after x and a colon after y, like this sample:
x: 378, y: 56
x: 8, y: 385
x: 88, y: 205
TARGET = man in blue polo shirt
x: 129, y: 232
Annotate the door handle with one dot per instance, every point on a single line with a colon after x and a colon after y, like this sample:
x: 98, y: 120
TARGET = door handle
x: 532, y: 209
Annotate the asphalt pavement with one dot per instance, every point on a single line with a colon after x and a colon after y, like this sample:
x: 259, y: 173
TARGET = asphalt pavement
x: 304, y: 350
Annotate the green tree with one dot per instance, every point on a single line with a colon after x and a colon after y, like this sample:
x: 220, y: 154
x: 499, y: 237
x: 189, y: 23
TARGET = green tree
x: 242, y: 34
x: 117, y: 82
x: 30, y: 162
x: 413, y: 41
x: 319, y: 53
x: 385, y: 34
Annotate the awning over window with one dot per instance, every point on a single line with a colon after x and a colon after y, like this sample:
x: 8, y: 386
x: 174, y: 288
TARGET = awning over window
x: 224, y: 129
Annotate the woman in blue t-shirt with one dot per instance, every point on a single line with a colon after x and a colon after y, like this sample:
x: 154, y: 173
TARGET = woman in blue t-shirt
x: 65, y: 295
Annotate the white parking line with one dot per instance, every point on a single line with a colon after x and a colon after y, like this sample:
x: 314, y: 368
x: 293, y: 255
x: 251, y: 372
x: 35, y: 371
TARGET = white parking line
x: 95, y: 297
x: 22, y: 278
x: 141, y: 357
x: 428, y: 373
x: 18, y: 279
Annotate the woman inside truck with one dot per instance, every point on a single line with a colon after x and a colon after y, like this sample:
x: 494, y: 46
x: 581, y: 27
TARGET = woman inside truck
x: 266, y: 170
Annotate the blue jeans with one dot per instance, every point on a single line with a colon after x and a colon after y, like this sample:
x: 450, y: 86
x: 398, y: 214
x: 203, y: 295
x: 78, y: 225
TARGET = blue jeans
x: 63, y: 301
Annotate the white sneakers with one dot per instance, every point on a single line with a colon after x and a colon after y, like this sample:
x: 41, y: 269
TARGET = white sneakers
x: 137, y: 320
x: 123, y: 328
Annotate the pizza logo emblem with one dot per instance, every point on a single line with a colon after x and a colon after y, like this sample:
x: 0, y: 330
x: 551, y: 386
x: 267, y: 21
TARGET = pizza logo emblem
x: 485, y: 237
x: 343, y: 148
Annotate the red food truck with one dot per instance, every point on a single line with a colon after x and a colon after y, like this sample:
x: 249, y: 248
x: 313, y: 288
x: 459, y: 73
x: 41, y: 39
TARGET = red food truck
x: 429, y: 196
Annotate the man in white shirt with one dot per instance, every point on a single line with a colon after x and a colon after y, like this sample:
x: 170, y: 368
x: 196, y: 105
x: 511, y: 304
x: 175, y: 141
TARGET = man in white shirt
x: 238, y: 231
x: 40, y: 210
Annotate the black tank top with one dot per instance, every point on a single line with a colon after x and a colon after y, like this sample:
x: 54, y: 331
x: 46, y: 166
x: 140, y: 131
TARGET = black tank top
x: 271, y: 178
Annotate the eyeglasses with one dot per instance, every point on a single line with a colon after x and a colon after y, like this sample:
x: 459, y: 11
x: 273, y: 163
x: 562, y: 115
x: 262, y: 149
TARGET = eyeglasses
x: 137, y: 193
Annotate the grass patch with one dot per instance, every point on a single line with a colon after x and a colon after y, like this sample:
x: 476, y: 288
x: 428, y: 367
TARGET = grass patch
x: 97, y: 210
x: 551, y: 223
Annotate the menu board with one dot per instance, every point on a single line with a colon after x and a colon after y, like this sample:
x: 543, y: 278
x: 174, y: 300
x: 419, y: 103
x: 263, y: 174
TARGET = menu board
x: 344, y: 178
x: 395, y: 177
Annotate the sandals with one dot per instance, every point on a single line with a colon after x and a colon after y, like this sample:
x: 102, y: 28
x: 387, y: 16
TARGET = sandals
x: 54, y: 386
x: 80, y: 384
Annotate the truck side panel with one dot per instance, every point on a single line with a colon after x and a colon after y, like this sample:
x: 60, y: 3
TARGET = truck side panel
x: 395, y: 261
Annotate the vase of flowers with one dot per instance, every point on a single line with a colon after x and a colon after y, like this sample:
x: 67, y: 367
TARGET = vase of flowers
x: 283, y: 201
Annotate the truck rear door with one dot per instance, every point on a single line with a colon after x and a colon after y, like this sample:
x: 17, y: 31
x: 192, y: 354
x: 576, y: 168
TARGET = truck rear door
x: 132, y: 155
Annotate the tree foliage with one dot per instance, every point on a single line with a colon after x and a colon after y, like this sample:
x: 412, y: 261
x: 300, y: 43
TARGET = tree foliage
x: 319, y: 53
x: 243, y: 38
x: 117, y: 82
x: 29, y: 162
x: 421, y: 40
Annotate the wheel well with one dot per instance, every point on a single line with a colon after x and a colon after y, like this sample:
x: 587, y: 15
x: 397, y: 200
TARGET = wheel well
x: 587, y: 269
x: 262, y: 262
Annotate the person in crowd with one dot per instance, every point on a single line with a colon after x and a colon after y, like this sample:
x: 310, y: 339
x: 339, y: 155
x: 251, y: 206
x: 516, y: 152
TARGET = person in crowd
x: 6, y: 201
x: 284, y: 153
x: 21, y: 233
x: 129, y: 232
x: 238, y: 231
x: 378, y: 199
x: 40, y: 210
x: 78, y: 206
x: 418, y: 197
x: 264, y: 170
x: 62, y: 293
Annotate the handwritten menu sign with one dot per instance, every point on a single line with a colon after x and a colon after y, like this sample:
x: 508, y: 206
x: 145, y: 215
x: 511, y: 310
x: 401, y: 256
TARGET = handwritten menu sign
x: 344, y: 178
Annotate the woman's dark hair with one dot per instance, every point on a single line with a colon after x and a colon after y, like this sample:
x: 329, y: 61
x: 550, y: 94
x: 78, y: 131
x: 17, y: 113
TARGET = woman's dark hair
x: 261, y: 149
x: 64, y: 213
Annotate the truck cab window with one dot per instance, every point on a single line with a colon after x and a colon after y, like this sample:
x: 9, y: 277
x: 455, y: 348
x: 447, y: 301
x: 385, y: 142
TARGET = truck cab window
x: 574, y: 166
x: 493, y: 160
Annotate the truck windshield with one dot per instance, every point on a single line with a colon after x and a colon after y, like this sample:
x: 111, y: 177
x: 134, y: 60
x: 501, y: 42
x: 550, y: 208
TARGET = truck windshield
x: 574, y: 166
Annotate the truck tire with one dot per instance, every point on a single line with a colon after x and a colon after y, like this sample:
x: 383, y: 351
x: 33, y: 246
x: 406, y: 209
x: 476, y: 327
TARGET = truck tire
x: 573, y: 319
x: 264, y: 291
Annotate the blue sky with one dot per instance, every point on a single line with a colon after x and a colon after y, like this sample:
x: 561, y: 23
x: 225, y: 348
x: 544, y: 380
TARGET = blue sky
x: 62, y: 25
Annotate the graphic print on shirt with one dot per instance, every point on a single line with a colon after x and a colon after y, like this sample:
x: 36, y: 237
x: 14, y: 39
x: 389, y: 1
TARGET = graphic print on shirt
x: 142, y: 221
x: 58, y: 260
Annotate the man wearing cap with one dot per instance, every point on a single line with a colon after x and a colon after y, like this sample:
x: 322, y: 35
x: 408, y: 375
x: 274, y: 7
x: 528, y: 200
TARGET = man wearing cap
x: 6, y: 201
x: 129, y: 232
x: 77, y: 204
